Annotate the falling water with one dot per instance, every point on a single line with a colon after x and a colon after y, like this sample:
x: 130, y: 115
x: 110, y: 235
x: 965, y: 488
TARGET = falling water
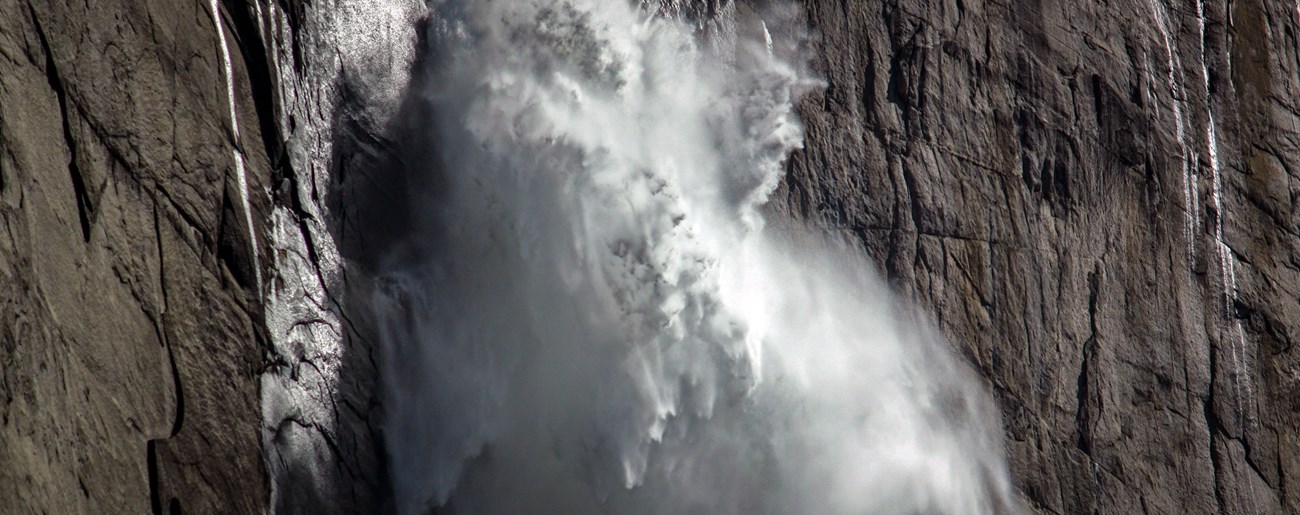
x: 236, y: 154
x: 1242, y: 382
x: 1191, y: 204
x: 596, y: 320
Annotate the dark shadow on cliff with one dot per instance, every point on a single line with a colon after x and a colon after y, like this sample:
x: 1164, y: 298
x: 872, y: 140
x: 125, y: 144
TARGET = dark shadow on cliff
x: 384, y: 177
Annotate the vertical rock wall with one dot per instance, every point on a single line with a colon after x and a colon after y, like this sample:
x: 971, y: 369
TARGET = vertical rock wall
x: 131, y: 332
x: 1098, y: 203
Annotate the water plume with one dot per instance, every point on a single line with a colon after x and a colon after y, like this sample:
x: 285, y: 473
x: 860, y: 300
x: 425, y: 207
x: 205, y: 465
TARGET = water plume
x: 597, y: 318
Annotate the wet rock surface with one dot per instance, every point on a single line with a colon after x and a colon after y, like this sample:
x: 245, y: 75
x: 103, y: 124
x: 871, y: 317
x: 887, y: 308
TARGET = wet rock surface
x: 1096, y: 202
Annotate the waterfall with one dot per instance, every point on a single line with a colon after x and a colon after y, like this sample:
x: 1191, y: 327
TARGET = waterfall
x: 596, y: 320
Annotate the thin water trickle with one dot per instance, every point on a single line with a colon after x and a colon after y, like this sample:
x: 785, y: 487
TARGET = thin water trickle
x: 1176, y: 92
x: 237, y: 155
x: 1243, y: 388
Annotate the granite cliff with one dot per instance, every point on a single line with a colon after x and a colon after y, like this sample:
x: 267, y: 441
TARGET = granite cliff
x: 1097, y: 202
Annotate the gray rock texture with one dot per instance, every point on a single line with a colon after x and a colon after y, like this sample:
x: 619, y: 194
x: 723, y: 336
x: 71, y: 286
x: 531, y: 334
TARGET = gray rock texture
x: 131, y: 332
x: 1097, y: 202
x: 1038, y: 178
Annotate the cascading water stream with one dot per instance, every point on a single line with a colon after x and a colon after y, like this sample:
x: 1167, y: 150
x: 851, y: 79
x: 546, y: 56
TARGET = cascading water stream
x: 1191, y: 198
x: 237, y: 155
x: 1242, y: 382
x: 596, y: 320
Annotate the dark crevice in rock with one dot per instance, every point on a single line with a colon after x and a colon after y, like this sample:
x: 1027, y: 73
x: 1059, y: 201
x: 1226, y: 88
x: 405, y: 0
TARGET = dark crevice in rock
x: 84, y: 207
x: 1032, y: 180
x: 1283, y: 490
x: 1083, y: 409
x: 1213, y: 427
x: 226, y: 211
x: 262, y: 86
x: 151, y: 461
x: 1061, y: 184
x: 179, y: 421
x: 892, y: 271
x: 162, y: 269
x: 233, y: 242
x: 869, y: 93
x: 151, y: 446
x: 293, y: 11
x: 1083, y: 440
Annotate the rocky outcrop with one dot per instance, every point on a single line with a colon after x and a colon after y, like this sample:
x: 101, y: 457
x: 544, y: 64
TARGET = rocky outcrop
x: 1096, y: 202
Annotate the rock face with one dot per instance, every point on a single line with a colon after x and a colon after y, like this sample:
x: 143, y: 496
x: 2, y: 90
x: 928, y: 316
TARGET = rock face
x: 1097, y: 203
x: 131, y: 333
x: 1099, y: 206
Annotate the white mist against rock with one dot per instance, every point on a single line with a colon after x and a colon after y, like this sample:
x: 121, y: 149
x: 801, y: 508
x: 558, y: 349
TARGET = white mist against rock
x: 598, y: 321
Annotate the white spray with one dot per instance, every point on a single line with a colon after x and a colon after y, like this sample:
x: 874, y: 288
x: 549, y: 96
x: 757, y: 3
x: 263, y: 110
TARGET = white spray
x: 597, y: 321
